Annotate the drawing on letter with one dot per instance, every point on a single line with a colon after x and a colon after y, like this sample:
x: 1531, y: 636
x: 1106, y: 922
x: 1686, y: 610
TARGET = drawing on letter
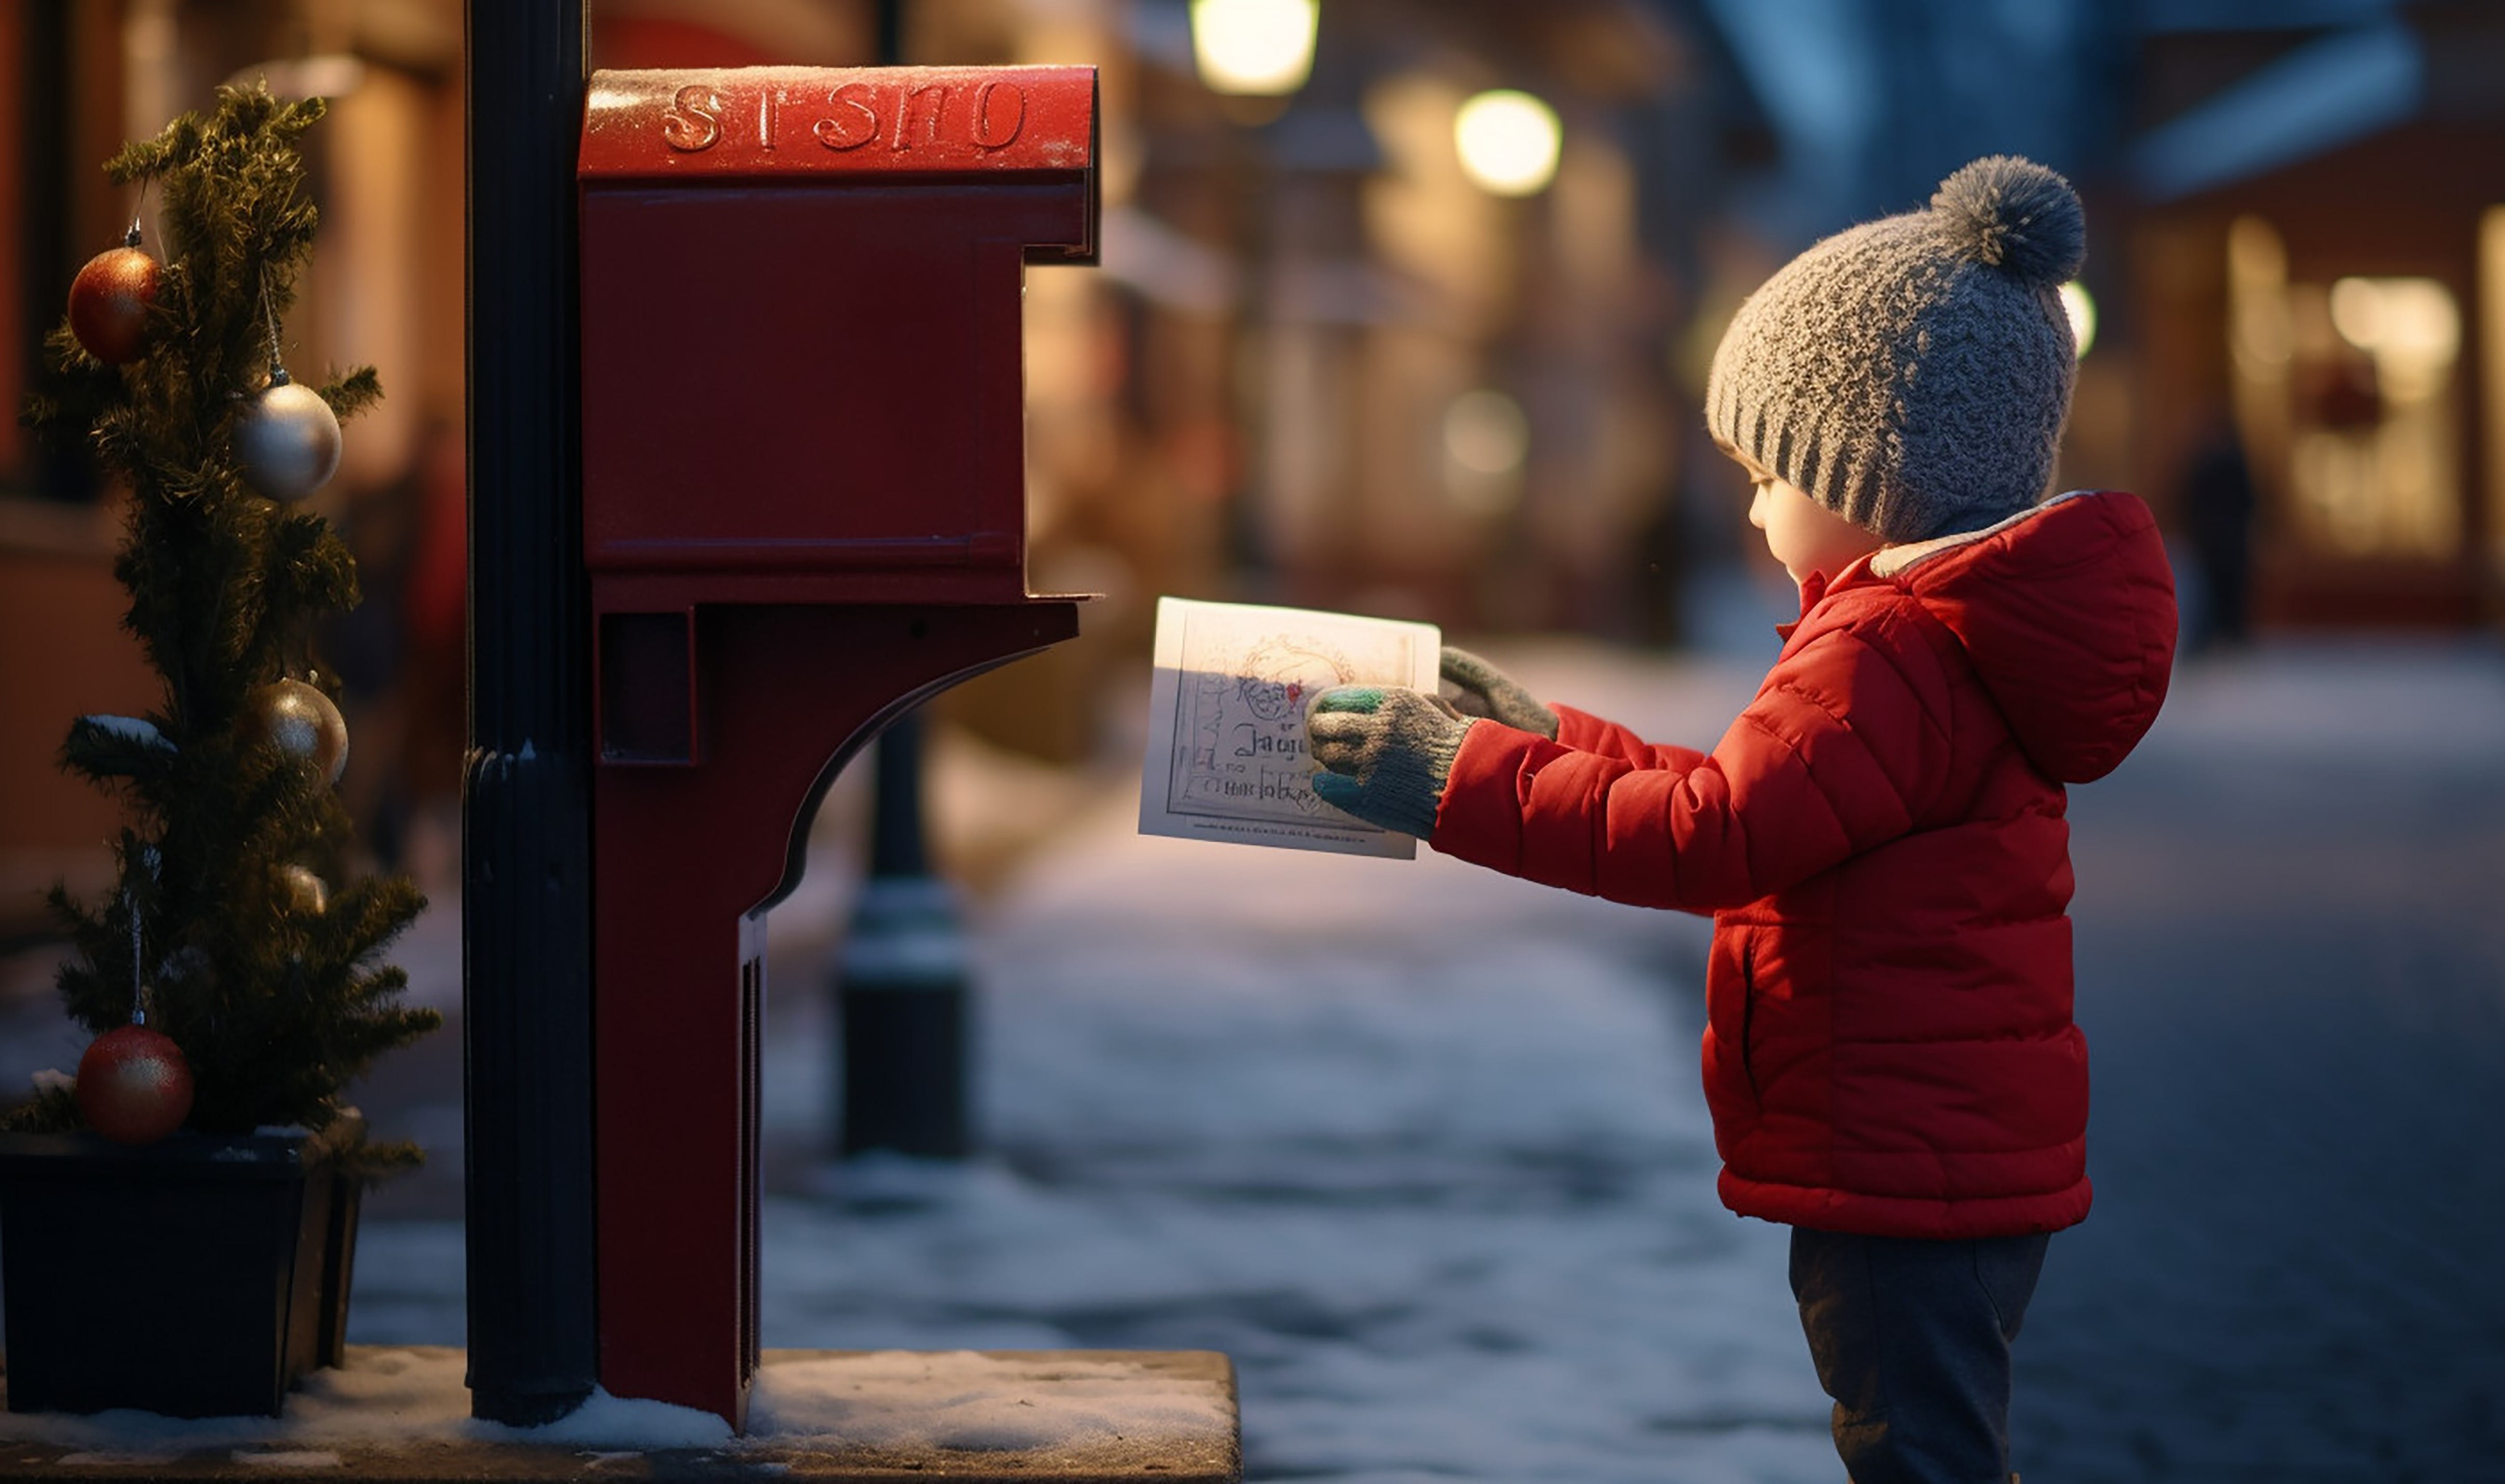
x: 1226, y: 758
x: 1243, y: 706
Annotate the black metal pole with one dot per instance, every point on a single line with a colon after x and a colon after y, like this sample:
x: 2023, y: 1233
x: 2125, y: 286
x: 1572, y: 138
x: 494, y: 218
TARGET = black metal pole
x: 890, y: 22
x: 526, y: 844
x: 900, y: 991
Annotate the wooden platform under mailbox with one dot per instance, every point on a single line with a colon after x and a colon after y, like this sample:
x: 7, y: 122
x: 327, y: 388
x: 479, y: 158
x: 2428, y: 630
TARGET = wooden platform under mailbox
x: 1192, y: 1435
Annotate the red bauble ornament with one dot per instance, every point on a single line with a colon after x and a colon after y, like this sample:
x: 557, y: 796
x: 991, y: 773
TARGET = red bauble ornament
x: 109, y: 302
x: 133, y: 1086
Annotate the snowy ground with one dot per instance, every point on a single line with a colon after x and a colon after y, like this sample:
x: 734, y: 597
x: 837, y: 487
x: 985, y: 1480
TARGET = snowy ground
x: 1419, y: 1148
x: 1422, y: 1149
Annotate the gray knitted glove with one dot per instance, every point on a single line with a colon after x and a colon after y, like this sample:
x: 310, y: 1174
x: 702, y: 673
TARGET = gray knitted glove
x: 1478, y: 689
x: 1388, y: 751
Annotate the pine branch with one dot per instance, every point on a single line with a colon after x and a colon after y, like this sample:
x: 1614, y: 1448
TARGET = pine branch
x: 107, y: 751
x: 353, y: 393
x: 276, y: 1006
x: 309, y: 570
x: 50, y: 1111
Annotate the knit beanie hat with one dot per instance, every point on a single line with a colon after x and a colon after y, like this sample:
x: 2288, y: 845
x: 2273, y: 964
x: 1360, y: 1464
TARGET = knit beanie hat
x: 1913, y: 373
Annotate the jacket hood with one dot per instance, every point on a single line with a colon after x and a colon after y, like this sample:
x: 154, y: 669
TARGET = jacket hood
x: 2068, y: 610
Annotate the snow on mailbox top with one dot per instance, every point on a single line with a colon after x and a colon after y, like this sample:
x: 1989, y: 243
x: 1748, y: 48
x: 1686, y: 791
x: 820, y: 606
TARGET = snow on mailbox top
x: 738, y: 121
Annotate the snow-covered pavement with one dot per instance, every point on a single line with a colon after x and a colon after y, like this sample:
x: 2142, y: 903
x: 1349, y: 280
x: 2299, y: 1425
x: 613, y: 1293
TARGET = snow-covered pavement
x: 1421, y: 1148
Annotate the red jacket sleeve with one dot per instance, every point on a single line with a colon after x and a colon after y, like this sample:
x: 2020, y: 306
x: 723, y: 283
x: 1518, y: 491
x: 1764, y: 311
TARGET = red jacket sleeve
x: 1586, y: 732
x: 1843, y: 748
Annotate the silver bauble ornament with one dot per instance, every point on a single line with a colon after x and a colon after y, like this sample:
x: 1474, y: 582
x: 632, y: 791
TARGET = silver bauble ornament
x: 306, y: 893
x: 287, y: 441
x: 299, y: 719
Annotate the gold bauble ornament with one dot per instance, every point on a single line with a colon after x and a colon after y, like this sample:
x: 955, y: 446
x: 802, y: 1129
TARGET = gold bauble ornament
x: 307, y: 894
x: 299, y: 719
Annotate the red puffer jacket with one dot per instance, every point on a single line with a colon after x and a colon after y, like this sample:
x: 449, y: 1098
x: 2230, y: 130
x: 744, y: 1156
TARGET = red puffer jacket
x: 1888, y: 1047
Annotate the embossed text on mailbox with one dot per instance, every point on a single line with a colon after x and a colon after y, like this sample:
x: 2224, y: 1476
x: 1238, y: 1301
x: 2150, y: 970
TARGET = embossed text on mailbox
x: 775, y: 120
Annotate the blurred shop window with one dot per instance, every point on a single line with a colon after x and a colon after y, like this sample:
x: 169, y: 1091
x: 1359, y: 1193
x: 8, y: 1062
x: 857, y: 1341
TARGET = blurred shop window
x: 2352, y: 388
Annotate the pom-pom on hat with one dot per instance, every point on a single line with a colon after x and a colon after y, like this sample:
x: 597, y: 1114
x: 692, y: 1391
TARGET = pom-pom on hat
x: 1913, y: 373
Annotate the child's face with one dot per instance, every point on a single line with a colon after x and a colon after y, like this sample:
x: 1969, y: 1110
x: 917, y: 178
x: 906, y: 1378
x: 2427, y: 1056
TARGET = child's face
x: 1804, y: 535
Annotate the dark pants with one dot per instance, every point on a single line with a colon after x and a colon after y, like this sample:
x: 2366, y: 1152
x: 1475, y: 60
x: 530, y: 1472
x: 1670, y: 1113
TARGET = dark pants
x: 1912, y: 1340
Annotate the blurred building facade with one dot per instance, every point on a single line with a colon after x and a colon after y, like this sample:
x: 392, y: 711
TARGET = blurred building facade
x: 385, y: 288
x: 1321, y: 363
x: 2315, y: 261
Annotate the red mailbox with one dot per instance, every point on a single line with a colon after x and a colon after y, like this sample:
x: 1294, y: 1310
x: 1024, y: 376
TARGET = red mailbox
x: 803, y: 512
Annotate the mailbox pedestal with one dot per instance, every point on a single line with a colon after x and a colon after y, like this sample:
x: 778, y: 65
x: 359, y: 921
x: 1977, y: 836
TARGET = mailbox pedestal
x: 803, y: 512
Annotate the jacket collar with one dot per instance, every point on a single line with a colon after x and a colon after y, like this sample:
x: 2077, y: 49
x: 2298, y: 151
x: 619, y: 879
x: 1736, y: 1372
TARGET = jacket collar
x: 1815, y: 587
x: 1894, y: 561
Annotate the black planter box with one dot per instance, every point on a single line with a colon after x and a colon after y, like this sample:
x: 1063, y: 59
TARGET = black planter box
x: 198, y: 1277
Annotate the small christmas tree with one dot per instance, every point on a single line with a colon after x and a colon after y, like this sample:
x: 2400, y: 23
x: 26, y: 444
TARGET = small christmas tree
x: 236, y: 927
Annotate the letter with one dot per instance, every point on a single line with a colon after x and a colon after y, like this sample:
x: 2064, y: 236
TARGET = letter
x: 904, y: 115
x: 769, y: 104
x: 693, y: 120
x: 983, y: 118
x: 855, y: 120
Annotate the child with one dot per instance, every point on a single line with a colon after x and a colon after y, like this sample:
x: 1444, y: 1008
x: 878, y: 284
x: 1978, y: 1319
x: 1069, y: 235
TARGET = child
x: 1889, y: 1052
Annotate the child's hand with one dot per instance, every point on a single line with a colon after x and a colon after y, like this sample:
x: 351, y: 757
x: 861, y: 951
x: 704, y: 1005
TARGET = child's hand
x: 1478, y: 689
x: 1388, y: 750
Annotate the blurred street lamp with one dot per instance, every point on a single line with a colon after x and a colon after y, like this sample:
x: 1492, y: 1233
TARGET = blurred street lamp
x: 1255, y: 48
x: 1509, y: 142
x: 1254, y: 54
x: 901, y: 981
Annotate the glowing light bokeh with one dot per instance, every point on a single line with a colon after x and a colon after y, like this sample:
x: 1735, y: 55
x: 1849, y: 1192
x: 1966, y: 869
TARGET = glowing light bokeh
x: 1509, y: 142
x: 2411, y: 317
x: 1255, y: 48
x: 1487, y: 439
x: 2081, y: 308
